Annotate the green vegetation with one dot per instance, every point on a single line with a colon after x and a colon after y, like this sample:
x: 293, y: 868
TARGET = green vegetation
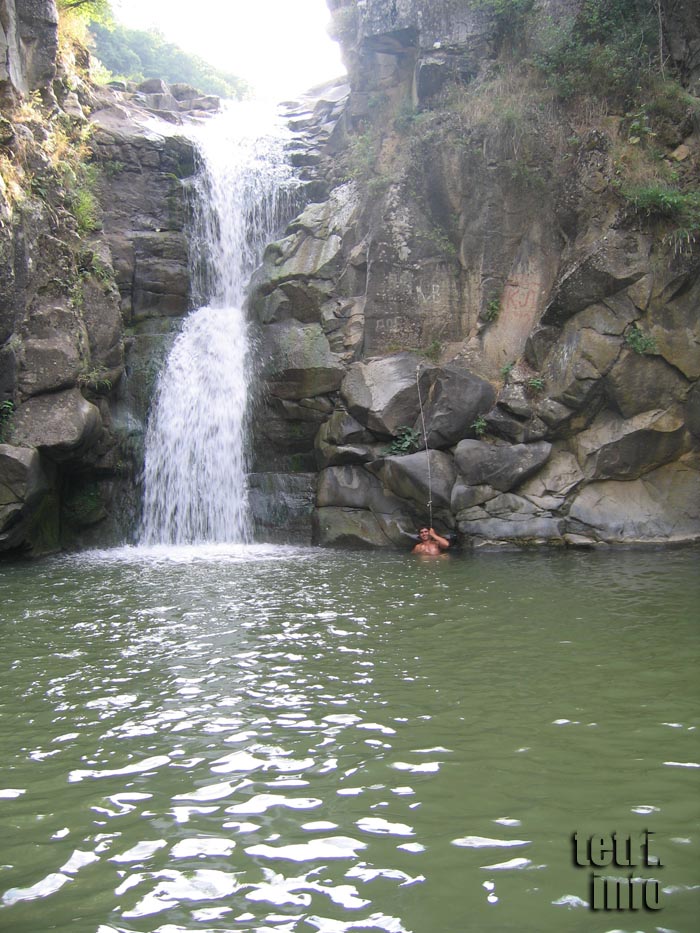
x: 640, y: 342
x: 659, y: 200
x: 509, y: 15
x: 492, y: 309
x: 91, y: 11
x: 479, y: 426
x: 433, y: 351
x: 405, y: 441
x: 7, y: 411
x: 507, y: 370
x: 535, y: 384
x: 607, y: 49
x: 95, y: 379
x: 136, y: 55
x: 84, y: 204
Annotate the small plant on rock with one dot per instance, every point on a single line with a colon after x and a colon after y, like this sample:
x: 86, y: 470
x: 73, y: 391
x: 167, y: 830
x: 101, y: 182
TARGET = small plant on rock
x: 479, y: 426
x: 7, y: 410
x: 639, y: 341
x: 534, y: 385
x: 507, y: 370
x: 492, y: 310
x: 405, y: 441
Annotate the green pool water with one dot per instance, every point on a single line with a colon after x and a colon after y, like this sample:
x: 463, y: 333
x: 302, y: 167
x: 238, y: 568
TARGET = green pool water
x: 284, y: 739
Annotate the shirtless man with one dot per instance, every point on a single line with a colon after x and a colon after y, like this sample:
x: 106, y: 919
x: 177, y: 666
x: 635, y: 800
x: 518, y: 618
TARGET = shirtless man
x: 430, y: 543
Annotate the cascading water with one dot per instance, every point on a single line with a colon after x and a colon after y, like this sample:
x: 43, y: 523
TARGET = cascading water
x: 195, y: 463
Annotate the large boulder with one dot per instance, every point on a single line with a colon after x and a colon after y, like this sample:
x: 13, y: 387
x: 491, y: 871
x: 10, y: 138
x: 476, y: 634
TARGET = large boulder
x: 617, y: 448
x: 617, y: 260
x: 638, y: 383
x: 342, y: 439
x: 426, y: 475
x: 662, y: 506
x: 502, y: 466
x: 577, y: 362
x: 382, y: 394
x: 61, y: 425
x: 354, y: 487
x: 300, y: 364
x: 454, y: 400
x: 675, y: 327
x: 23, y: 483
x: 560, y: 474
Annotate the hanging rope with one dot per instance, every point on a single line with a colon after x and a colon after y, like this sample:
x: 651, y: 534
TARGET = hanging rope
x: 427, y: 452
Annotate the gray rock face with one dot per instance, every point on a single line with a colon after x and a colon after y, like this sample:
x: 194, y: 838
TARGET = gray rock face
x: 343, y: 440
x: 348, y: 528
x: 638, y: 383
x: 53, y: 347
x: 383, y: 393
x: 281, y: 505
x: 455, y: 398
x: 503, y: 467
x: 22, y: 486
x: 617, y: 448
x: 619, y: 260
x: 28, y: 44
x: 409, y: 477
x: 60, y: 424
x: 662, y: 506
x: 301, y: 364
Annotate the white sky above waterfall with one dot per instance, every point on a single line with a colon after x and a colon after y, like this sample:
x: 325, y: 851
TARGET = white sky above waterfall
x: 281, y: 47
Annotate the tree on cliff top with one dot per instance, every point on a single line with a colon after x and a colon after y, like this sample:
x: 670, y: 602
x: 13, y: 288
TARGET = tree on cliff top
x: 136, y: 55
x: 95, y: 11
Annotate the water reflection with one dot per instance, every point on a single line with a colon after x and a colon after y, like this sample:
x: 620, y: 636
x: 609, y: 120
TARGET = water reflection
x: 281, y: 739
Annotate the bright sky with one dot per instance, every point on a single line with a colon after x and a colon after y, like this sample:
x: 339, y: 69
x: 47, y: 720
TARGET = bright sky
x: 280, y: 46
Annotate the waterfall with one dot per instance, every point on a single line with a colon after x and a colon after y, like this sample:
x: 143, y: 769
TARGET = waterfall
x: 195, y: 458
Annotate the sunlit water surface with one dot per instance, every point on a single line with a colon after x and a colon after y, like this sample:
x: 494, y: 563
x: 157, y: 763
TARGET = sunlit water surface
x: 278, y: 739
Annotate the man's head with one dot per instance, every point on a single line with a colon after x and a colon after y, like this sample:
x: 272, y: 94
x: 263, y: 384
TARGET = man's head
x: 424, y: 534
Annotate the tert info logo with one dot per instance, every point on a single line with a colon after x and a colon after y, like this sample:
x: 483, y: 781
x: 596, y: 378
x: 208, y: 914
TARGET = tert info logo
x: 627, y: 891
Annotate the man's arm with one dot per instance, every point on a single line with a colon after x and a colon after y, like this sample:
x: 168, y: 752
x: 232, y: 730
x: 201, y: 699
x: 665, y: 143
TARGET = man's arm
x: 439, y: 540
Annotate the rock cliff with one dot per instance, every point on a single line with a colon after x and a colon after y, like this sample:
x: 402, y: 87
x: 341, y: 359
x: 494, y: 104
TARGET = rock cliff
x: 483, y: 317
x: 94, y: 269
x: 486, y: 314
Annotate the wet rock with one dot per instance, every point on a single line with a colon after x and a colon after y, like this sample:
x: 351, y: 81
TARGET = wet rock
x: 502, y: 466
x: 517, y: 527
x: 348, y: 528
x: 618, y: 448
x: 281, y: 505
x: 355, y: 487
x: 23, y: 483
